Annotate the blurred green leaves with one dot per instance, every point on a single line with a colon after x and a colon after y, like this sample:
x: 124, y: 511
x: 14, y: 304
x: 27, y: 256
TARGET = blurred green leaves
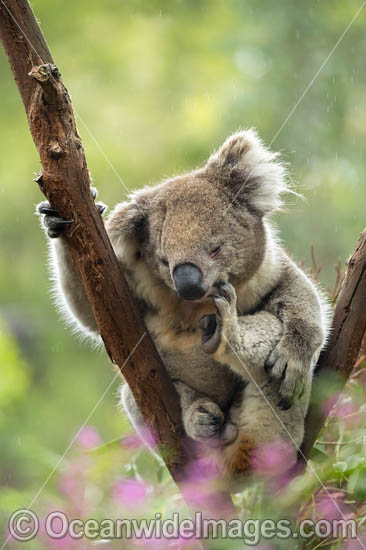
x: 14, y: 378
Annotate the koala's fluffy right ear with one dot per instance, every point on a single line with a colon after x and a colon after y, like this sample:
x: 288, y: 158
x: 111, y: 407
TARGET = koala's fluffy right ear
x: 129, y: 219
x: 250, y: 172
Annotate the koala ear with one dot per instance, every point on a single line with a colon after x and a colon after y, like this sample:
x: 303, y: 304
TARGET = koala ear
x: 249, y: 171
x: 129, y: 219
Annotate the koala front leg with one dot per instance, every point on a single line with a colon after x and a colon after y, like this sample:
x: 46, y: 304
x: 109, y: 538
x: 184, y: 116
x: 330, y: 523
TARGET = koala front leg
x: 304, y: 319
x: 68, y: 282
x: 242, y: 342
x: 202, y: 417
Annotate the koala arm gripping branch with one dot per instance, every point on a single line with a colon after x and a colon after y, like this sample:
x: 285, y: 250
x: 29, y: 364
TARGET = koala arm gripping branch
x: 69, y: 291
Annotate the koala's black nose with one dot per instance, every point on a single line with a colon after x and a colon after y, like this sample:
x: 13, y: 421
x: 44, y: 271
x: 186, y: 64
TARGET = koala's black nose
x: 188, y: 281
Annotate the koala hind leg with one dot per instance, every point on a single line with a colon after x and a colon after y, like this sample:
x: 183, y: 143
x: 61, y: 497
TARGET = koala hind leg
x: 202, y: 418
x: 261, y: 422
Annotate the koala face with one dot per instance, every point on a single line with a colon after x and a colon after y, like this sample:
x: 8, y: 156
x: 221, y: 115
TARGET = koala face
x: 207, y: 226
x: 198, y: 236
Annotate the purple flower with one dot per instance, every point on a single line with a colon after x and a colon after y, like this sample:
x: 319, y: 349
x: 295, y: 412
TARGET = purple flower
x: 355, y: 544
x: 273, y: 459
x: 130, y: 492
x: 330, y: 506
x: 201, y: 483
x: 339, y: 405
x: 135, y: 441
x: 88, y: 437
x: 185, y: 543
x: 328, y: 405
x: 206, y: 468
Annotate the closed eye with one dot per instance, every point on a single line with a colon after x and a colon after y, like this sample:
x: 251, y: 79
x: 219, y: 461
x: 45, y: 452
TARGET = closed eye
x: 164, y: 261
x: 214, y: 252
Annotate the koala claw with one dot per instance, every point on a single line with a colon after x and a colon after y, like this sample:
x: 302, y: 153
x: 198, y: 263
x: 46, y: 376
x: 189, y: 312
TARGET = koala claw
x: 52, y: 220
x: 46, y: 209
x: 101, y: 207
x: 212, y: 324
x: 204, y: 419
x: 284, y: 404
x: 226, y: 291
x: 289, y: 373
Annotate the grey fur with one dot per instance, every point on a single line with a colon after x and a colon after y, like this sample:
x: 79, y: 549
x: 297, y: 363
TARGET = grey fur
x: 271, y: 321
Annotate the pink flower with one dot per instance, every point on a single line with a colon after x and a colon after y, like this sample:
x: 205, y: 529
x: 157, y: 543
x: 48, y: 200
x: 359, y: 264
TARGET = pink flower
x: 66, y: 542
x: 355, y: 544
x: 185, y: 543
x: 135, y: 441
x: 329, y: 403
x: 206, y: 468
x: 344, y: 408
x: 68, y: 486
x: 130, y: 492
x: 273, y: 459
x: 88, y: 437
x: 339, y: 405
x: 72, y: 483
x: 54, y: 543
x: 330, y: 506
x: 201, y: 484
x: 200, y: 495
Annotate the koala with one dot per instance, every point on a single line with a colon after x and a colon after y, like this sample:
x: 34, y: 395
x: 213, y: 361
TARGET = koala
x: 238, y: 324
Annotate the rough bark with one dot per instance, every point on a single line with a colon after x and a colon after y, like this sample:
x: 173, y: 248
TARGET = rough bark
x: 345, y: 344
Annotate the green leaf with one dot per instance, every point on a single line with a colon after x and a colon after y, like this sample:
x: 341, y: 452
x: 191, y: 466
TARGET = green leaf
x: 357, y: 484
x: 340, y: 467
x: 318, y: 453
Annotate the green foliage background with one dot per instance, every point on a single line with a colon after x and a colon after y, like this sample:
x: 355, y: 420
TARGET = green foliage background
x: 157, y: 85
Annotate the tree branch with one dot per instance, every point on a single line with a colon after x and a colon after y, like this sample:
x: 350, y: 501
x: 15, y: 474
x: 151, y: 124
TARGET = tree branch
x: 344, y: 347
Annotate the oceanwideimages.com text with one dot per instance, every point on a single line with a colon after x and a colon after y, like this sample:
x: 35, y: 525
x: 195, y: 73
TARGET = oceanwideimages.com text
x: 24, y: 525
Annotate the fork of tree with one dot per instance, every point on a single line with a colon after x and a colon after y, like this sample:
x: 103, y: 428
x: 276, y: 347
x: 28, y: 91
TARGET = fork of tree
x: 65, y: 181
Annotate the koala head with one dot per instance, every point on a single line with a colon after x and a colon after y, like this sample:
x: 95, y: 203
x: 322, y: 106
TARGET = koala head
x: 205, y: 226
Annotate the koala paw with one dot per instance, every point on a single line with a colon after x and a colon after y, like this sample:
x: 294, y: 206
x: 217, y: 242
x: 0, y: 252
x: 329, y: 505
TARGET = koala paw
x: 289, y: 372
x: 229, y: 433
x: 54, y: 223
x: 218, y: 326
x: 203, y: 419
